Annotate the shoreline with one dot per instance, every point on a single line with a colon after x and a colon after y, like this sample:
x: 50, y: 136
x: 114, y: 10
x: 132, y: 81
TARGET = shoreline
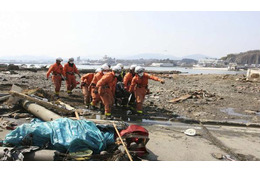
x: 209, y: 68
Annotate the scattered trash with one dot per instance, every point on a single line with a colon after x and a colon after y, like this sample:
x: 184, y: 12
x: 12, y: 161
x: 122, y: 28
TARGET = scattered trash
x: 197, y: 94
x: 190, y: 132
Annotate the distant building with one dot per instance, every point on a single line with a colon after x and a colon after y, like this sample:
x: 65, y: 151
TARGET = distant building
x: 232, y: 67
x: 108, y: 60
x: 78, y: 59
x: 211, y: 62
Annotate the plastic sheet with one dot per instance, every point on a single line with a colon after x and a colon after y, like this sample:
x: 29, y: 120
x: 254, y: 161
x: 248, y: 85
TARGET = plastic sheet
x: 63, y: 135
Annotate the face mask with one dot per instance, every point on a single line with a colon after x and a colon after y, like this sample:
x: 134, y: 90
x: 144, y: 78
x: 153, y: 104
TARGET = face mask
x: 104, y: 72
x: 141, y: 74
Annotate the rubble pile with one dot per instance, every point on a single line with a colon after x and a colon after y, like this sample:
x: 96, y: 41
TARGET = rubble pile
x: 61, y: 131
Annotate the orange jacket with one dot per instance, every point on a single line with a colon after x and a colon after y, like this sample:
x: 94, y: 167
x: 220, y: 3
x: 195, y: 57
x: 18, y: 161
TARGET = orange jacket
x: 70, y: 70
x: 142, y: 81
x: 56, y: 70
x: 96, y: 78
x: 87, y: 78
x: 127, y: 80
x: 108, y: 80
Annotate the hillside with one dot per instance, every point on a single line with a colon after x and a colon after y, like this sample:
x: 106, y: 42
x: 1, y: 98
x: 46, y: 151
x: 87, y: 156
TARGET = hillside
x: 249, y: 57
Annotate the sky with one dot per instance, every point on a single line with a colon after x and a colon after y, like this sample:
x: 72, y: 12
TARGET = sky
x: 119, y: 34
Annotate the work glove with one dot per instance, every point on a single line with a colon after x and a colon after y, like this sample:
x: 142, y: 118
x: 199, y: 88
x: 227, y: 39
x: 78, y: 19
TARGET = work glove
x: 82, y: 84
x: 162, y: 82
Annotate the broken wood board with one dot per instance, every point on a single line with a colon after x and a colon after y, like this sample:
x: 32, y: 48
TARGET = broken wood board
x: 4, y: 98
x: 68, y: 107
x: 180, y: 99
x: 40, y: 102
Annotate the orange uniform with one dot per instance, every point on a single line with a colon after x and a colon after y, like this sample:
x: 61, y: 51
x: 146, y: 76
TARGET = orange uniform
x: 57, y: 72
x: 86, y: 80
x: 127, y: 80
x: 139, y: 86
x: 106, y: 88
x: 69, y: 71
x: 95, y: 96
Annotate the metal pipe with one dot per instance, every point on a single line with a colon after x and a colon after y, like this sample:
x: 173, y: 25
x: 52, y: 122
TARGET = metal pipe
x: 40, y: 111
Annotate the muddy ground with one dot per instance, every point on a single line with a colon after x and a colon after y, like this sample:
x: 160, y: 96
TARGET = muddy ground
x: 217, y: 97
x: 211, y: 97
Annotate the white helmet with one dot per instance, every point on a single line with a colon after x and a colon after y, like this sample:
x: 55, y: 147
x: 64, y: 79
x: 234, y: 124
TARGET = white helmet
x: 59, y: 59
x: 132, y: 67
x: 116, y: 69
x: 105, y: 67
x: 120, y: 65
x: 139, y: 69
x: 71, y: 59
x: 98, y: 70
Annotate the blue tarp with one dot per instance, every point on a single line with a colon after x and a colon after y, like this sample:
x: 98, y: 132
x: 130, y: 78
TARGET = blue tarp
x: 63, y: 134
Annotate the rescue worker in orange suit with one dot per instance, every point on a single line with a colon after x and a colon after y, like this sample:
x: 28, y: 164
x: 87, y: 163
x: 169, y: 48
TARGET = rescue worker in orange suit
x: 57, y: 75
x: 106, y: 88
x: 95, y: 96
x: 85, y: 83
x: 69, y: 70
x: 122, y: 74
x: 139, y: 86
x: 127, y: 82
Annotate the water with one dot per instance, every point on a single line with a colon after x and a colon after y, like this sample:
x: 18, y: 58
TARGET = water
x: 230, y: 111
x: 181, y: 69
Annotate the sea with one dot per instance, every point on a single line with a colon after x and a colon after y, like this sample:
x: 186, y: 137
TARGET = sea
x: 183, y: 70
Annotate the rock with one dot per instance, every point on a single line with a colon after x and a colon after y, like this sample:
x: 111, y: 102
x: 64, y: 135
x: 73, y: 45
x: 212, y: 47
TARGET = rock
x: 217, y: 155
x: 103, y: 152
x: 13, y: 72
x: 254, y: 75
x: 25, y: 77
x: 13, y: 67
x: 250, y: 111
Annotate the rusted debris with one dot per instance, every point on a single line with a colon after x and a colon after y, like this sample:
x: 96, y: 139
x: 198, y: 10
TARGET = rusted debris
x: 5, y: 124
x: 128, y: 154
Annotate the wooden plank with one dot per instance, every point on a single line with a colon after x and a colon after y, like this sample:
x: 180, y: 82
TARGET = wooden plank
x: 40, y: 102
x: 179, y: 99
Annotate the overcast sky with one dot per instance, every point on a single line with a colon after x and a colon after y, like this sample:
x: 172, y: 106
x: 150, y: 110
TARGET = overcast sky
x: 67, y: 34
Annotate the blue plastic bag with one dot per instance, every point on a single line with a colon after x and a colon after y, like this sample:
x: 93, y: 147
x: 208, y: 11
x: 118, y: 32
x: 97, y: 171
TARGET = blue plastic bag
x: 63, y: 135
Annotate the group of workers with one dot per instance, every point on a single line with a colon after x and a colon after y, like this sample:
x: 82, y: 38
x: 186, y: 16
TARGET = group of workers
x: 103, y: 87
x: 67, y: 73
